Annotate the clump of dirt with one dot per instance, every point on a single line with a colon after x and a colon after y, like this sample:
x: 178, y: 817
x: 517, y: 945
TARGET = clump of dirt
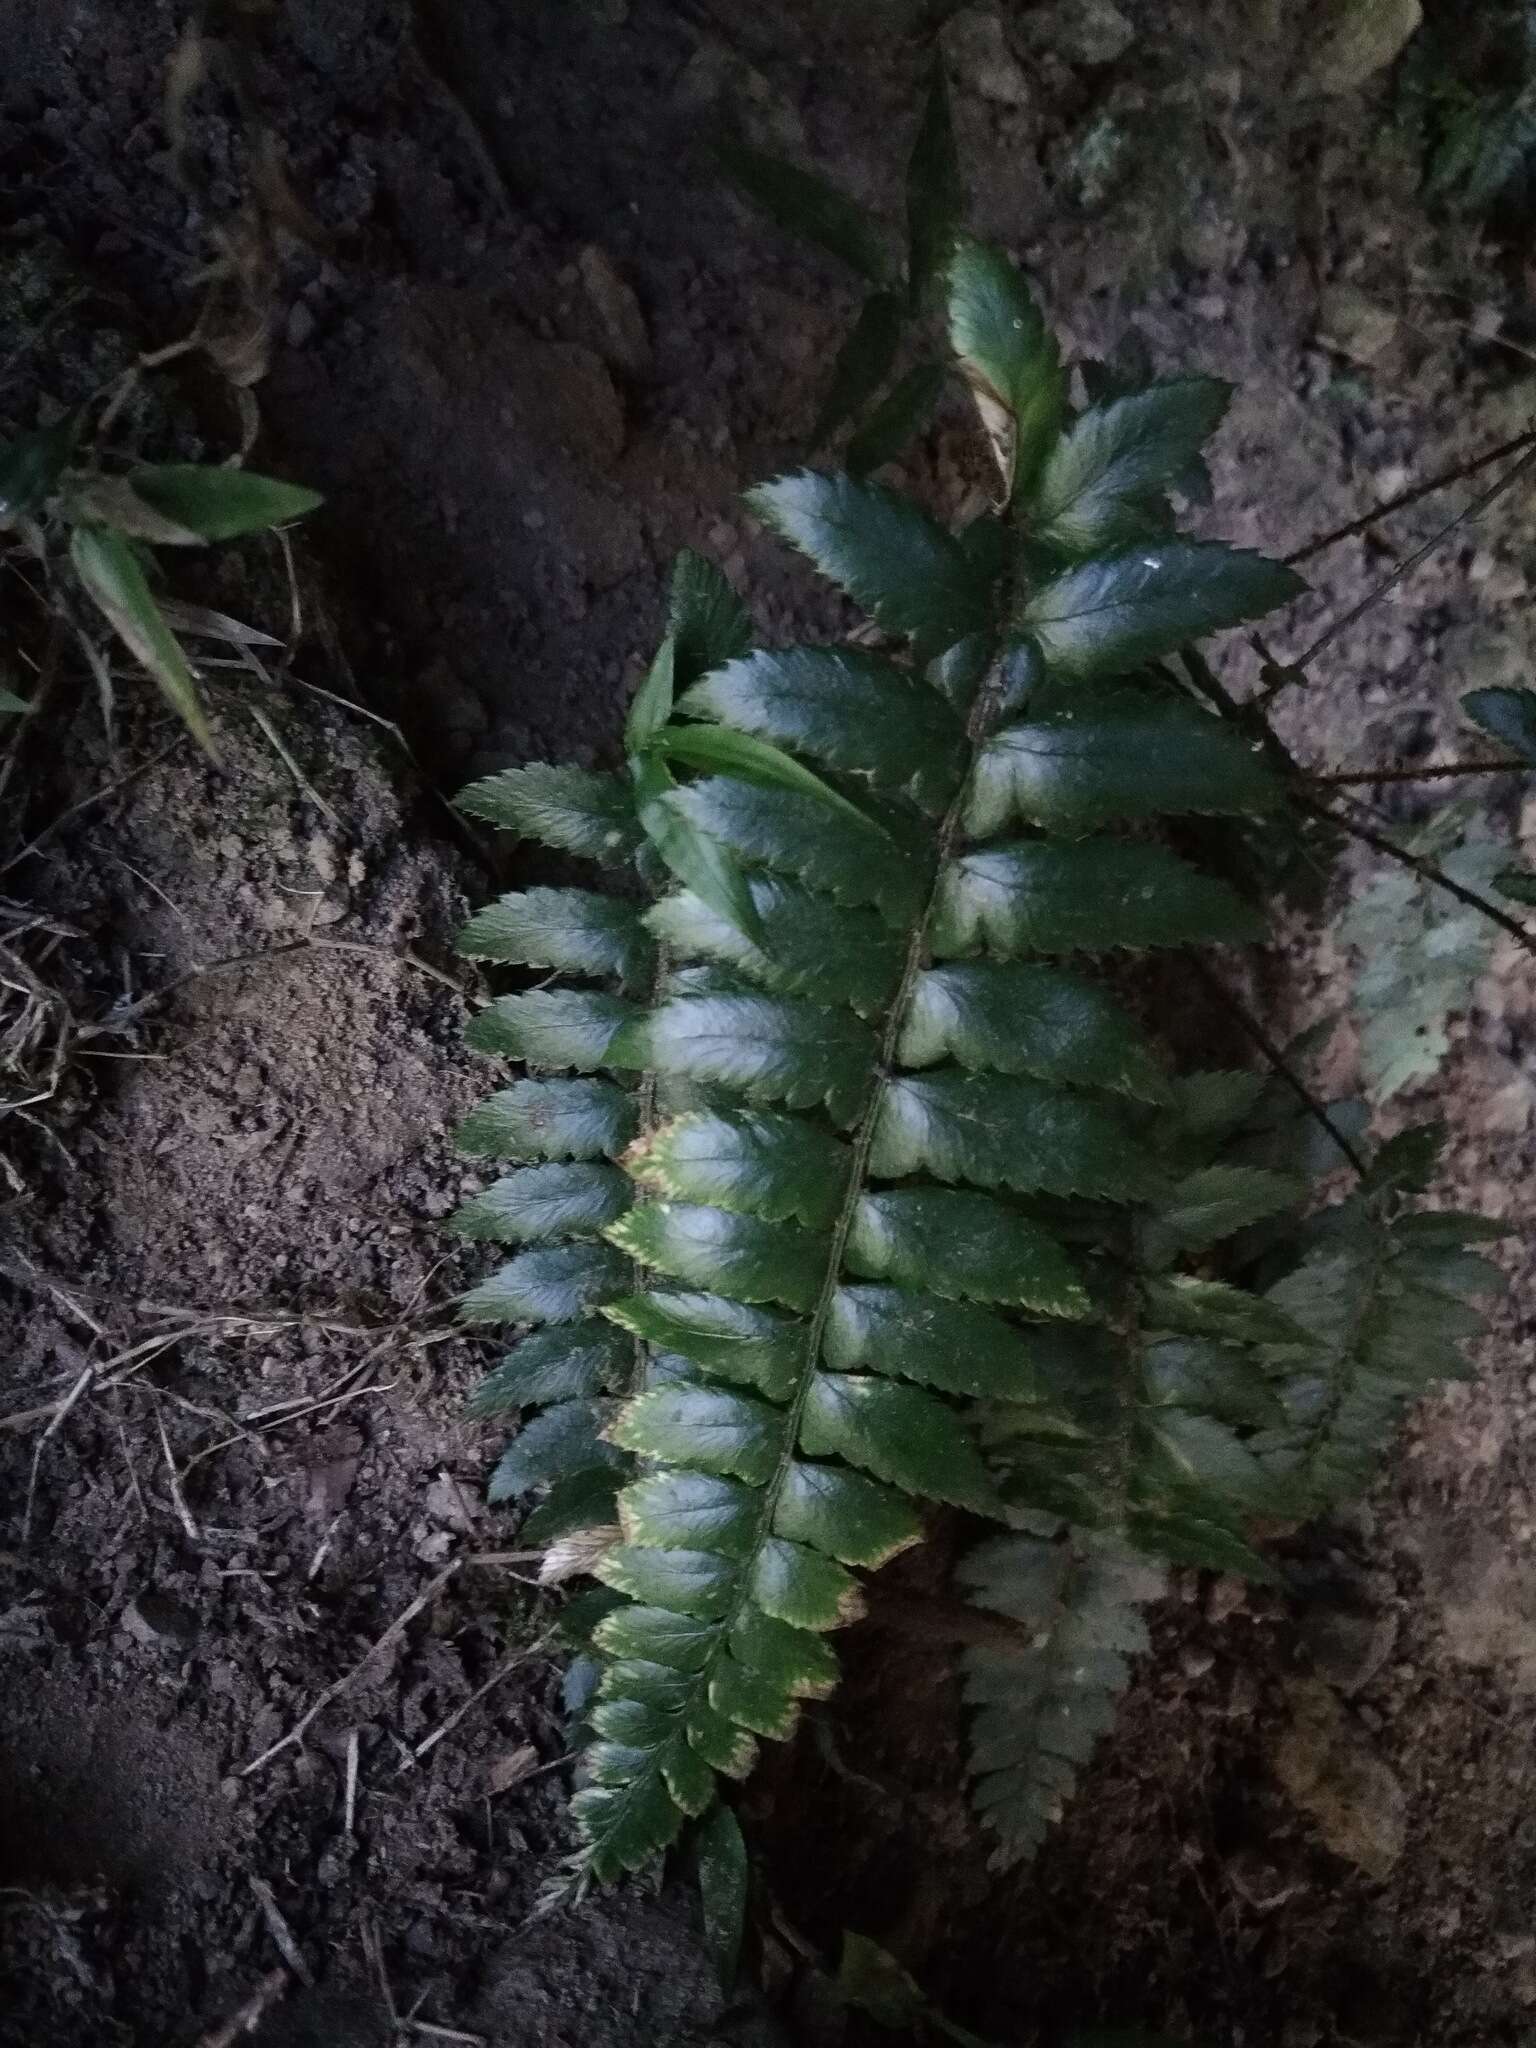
x: 533, y: 348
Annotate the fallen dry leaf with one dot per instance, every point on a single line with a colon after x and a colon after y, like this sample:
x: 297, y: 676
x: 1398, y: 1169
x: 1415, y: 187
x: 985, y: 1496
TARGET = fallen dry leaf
x: 511, y: 1769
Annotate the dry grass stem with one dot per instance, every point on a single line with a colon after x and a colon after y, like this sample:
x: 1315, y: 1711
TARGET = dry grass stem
x: 334, y: 1691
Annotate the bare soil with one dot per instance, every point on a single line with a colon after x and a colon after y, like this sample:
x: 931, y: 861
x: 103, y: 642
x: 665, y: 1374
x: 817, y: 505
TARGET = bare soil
x: 1312, y: 1826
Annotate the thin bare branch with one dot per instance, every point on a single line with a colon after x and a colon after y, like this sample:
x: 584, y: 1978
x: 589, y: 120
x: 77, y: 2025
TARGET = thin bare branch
x: 1442, y: 771
x: 1295, y: 671
x: 1254, y: 1031
x: 1425, y: 870
x: 248, y: 2017
x: 280, y: 1931
x: 503, y: 1670
x: 1413, y: 496
x: 338, y: 1686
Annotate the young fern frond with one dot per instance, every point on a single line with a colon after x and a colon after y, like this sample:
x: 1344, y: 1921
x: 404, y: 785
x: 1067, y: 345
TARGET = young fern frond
x: 1201, y: 1408
x: 1387, y: 1305
x: 1041, y: 1708
x: 845, y: 1236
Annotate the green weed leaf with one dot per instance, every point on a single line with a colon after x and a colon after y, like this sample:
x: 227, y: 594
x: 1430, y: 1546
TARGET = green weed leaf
x: 699, y: 863
x: 951, y: 1345
x: 1106, y: 480
x: 847, y: 1200
x: 1102, y: 757
x: 899, y: 417
x: 219, y: 503
x: 1214, y: 1203
x: 537, y: 1203
x: 560, y: 1363
x: 1040, y: 897
x: 767, y: 1049
x: 959, y: 1244
x: 532, y: 1120
x: 1040, y: 1709
x: 852, y: 712
x: 109, y: 570
x: 800, y: 836
x: 707, y: 622
x: 718, y: 748
x: 898, y: 1433
x: 562, y: 1027
x: 723, y: 1892
x: 935, y: 191
x: 999, y: 1130
x: 1213, y: 1308
x: 863, y: 364
x: 1013, y: 1019
x: 892, y: 559
x: 573, y: 931
x: 743, y: 1344
x: 777, y: 1167
x: 805, y: 945
x: 739, y: 1256
x: 31, y: 466
x: 1382, y: 1318
x: 557, y: 1284
x: 1421, y: 954
x: 555, y: 1444
x: 807, y: 206
x: 652, y: 703
x: 1508, y: 715
x: 569, y: 809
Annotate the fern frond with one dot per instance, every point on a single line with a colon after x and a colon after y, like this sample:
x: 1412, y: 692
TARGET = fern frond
x: 842, y: 1256
x: 1161, y: 1388
x: 850, y: 1193
x: 1387, y: 1308
x: 1197, y: 1416
x: 1040, y: 1708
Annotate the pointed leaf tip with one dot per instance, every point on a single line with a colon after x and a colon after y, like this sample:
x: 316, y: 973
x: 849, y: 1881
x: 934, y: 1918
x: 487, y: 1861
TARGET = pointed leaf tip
x: 109, y: 569
x: 935, y: 190
x: 807, y: 205
x: 216, y: 503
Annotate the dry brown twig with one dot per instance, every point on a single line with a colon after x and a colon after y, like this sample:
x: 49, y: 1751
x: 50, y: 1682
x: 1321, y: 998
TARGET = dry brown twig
x: 280, y: 1931
x: 334, y: 1691
x: 503, y: 1670
x: 61, y: 1411
x: 373, y: 1948
x: 247, y: 2017
x: 178, y: 1500
x: 349, y: 1798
